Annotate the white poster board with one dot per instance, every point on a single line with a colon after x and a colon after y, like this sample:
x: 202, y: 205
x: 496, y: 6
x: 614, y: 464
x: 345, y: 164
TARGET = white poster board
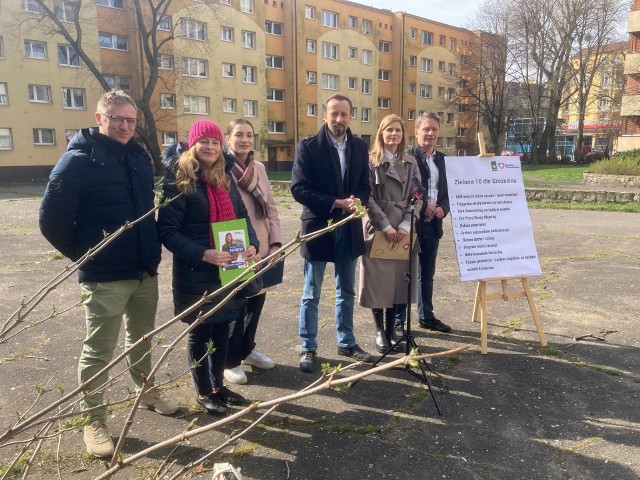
x: 491, y: 224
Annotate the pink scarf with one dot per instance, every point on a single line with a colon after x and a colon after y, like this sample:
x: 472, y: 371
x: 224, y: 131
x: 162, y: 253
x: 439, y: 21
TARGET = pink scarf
x: 220, y: 206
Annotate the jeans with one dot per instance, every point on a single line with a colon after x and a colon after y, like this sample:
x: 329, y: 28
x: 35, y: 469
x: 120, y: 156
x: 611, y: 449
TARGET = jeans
x: 106, y: 305
x: 345, y: 274
x: 429, y: 242
x: 243, y: 331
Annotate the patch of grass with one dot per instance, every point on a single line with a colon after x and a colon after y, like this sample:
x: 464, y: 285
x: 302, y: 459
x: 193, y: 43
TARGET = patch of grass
x: 559, y: 173
x: 18, y: 467
x: 585, y: 443
x: 593, y: 206
x: 56, y: 256
x: 624, y: 163
x: 347, y: 428
x: 243, y: 450
x: 279, y: 176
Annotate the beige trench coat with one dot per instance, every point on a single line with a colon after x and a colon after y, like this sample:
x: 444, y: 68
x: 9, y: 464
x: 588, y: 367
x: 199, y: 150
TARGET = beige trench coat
x: 268, y: 228
x: 382, y: 282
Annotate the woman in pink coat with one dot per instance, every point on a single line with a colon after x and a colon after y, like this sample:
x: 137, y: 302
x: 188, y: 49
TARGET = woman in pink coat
x: 251, y: 179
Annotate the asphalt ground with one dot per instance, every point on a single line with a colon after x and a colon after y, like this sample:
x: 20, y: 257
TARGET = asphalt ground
x: 567, y: 411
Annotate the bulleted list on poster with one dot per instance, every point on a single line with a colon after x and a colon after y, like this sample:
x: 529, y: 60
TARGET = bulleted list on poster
x: 491, y: 224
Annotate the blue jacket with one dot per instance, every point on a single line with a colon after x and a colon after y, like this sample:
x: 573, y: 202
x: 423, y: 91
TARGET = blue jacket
x: 184, y: 228
x: 96, y: 187
x: 316, y: 183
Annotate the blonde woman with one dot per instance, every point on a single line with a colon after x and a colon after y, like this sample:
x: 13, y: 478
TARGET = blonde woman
x: 209, y: 195
x: 390, y: 172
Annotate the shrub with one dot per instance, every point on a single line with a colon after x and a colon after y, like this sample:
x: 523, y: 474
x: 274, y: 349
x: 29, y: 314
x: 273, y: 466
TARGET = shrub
x: 624, y: 163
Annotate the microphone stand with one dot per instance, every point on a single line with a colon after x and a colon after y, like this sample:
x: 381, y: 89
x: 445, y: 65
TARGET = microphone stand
x: 410, y: 343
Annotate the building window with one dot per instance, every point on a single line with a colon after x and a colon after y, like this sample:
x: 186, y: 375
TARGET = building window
x: 116, y: 82
x: 604, y: 102
x: 226, y: 2
x: 40, y: 93
x: 226, y: 34
x: 67, y: 56
x: 366, y: 86
x: 462, y: 132
x: 194, y: 67
x: 169, y: 138
x: 383, y: 102
x: 31, y: 6
x: 4, y: 96
x: 274, y: 28
x: 310, y: 12
x: 411, y: 88
x: 6, y: 143
x: 312, y: 110
x: 464, y: 84
x: 113, y: 41
x: 69, y: 134
x: 248, y: 39
x: 367, y: 26
x: 427, y: 37
x: 249, y: 74
x: 63, y: 10
x: 312, y: 78
x: 605, y: 78
x: 412, y: 33
x: 353, y: 53
x: 441, y: 92
x: 449, y: 143
x: 330, y: 50
x: 426, y: 64
x: 329, y: 81
x: 353, y: 22
x: 443, y: 40
x: 425, y: 91
x: 442, y: 66
x: 452, y: 69
x: 246, y: 6
x: 366, y: 115
x: 449, y: 118
x: 329, y: 19
x: 451, y: 94
x: 164, y: 23
x: 44, y: 136
x: 228, y: 70
x: 411, y: 114
x: 229, y: 105
x: 311, y: 46
x: 193, y: 30
x: 273, y: 61
x: 413, y: 60
x: 464, y: 60
x: 453, y: 43
x: 462, y: 108
x: 352, y: 82
x: 35, y: 49
x: 165, y: 62
x: 367, y: 57
x: 196, y: 105
x: 250, y: 108
x: 384, y: 75
x: 384, y: 46
x: 1, y: 47
x: 167, y: 101
x: 74, y: 98
x: 119, y: 4
x: 275, y: 95
x: 275, y: 127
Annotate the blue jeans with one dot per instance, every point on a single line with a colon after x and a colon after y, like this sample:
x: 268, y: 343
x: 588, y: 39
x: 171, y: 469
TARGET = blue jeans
x: 345, y: 273
x: 429, y: 242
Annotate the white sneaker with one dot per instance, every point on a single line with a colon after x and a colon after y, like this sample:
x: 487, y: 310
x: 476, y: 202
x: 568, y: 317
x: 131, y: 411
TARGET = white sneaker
x: 260, y: 360
x: 235, y: 375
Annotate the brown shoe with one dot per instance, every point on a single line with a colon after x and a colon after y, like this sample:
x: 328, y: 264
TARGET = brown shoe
x: 98, y: 440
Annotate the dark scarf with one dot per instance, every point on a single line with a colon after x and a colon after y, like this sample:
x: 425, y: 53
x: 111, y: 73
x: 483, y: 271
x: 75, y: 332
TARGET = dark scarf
x: 220, y: 206
x: 247, y: 179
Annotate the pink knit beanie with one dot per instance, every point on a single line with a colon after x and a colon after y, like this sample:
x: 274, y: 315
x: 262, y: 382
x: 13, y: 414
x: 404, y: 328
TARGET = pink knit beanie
x: 204, y: 128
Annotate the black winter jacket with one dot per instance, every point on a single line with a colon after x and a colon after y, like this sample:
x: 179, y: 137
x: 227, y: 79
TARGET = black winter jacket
x: 95, y: 188
x: 184, y: 229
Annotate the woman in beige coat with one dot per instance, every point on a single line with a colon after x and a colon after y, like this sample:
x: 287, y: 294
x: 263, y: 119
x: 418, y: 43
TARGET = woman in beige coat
x: 382, y: 282
x: 253, y: 184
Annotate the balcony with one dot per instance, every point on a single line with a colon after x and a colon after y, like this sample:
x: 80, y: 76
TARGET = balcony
x: 630, y: 106
x: 633, y: 22
x: 632, y: 64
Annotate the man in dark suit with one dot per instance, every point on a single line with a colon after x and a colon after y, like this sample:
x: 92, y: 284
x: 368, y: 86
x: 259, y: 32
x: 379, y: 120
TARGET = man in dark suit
x: 429, y: 227
x: 329, y: 172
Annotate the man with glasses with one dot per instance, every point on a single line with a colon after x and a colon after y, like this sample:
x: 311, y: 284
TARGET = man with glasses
x: 104, y: 180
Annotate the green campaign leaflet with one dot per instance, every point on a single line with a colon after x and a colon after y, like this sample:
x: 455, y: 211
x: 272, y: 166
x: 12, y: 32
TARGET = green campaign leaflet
x: 232, y: 236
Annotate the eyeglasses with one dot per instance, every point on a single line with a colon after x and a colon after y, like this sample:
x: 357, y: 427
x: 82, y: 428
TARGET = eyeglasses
x: 120, y: 120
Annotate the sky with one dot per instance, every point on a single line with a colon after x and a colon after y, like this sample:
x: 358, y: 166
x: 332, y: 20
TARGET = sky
x: 452, y: 12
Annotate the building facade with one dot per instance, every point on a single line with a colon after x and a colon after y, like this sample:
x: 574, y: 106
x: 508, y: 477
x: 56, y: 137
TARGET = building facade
x: 630, y: 112
x: 272, y: 62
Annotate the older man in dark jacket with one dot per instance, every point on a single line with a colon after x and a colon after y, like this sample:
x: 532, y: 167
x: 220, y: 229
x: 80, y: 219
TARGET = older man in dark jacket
x: 329, y: 172
x: 104, y: 180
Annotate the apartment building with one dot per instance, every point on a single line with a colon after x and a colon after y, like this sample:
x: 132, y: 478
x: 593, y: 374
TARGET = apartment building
x: 272, y: 62
x: 630, y: 112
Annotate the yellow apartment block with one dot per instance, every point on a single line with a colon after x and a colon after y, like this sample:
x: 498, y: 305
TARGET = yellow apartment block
x: 272, y: 62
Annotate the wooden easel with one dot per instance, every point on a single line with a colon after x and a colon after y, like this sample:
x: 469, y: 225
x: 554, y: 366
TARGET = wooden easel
x: 480, y: 303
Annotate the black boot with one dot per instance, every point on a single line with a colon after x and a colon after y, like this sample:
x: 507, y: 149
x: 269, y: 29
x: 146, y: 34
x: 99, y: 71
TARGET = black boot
x: 381, y: 339
x: 389, y: 330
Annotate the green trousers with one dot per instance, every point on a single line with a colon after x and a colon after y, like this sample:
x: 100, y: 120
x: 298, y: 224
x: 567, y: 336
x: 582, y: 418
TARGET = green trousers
x: 106, y: 305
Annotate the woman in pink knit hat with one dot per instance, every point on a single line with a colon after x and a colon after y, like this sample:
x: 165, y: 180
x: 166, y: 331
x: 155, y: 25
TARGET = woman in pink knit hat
x: 209, y: 195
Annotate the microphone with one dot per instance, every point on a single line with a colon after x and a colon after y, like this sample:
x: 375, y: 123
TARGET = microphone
x: 419, y: 191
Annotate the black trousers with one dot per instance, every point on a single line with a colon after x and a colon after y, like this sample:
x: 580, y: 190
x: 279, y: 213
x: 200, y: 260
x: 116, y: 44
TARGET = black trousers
x: 243, y: 333
x: 209, y: 371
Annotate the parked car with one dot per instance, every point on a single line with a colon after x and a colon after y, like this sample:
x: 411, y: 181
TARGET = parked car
x: 509, y: 153
x: 594, y: 155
